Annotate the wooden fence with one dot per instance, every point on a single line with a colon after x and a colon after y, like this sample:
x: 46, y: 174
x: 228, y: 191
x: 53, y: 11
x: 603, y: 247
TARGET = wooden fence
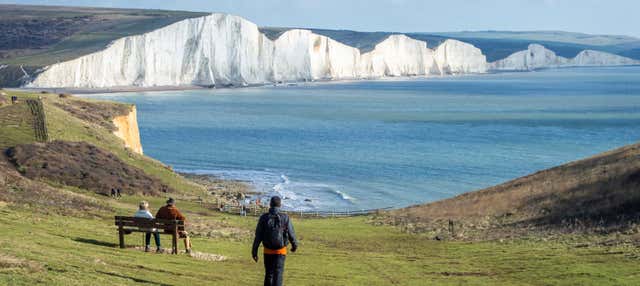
x: 254, y: 210
x: 39, y: 120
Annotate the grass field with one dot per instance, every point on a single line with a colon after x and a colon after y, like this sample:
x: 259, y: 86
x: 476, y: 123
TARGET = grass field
x: 57, y: 250
x: 17, y: 125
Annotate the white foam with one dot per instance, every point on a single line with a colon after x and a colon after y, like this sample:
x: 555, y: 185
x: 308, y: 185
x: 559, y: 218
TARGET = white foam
x: 296, y: 195
x: 344, y: 195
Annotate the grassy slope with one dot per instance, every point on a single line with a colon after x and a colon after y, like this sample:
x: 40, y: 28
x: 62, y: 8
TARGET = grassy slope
x: 597, y: 194
x: 16, y: 124
x: 100, y: 27
x: 57, y: 250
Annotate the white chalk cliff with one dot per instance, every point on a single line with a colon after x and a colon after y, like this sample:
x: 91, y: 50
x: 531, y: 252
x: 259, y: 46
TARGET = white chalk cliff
x: 398, y: 55
x: 216, y: 49
x: 456, y: 57
x: 223, y: 50
x: 598, y: 58
x: 303, y: 55
x: 537, y: 57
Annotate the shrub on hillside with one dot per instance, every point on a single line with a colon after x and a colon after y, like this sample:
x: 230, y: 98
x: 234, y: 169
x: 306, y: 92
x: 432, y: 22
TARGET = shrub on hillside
x: 82, y: 165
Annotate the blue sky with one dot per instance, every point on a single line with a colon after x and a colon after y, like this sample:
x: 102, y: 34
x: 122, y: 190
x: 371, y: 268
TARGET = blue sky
x: 589, y: 16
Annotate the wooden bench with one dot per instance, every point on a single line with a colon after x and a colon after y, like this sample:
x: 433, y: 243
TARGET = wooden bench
x: 127, y: 225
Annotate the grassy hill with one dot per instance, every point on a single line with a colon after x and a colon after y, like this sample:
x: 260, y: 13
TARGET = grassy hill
x: 600, y: 194
x: 62, y: 125
x: 36, y: 36
x: 61, y: 233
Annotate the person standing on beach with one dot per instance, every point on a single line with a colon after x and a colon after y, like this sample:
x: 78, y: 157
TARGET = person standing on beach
x: 274, y: 231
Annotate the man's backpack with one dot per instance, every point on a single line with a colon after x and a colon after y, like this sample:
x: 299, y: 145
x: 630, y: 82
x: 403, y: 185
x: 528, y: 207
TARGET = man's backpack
x: 275, y: 231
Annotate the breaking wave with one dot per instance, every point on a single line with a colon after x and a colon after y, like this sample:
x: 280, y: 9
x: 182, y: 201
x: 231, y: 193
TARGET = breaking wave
x: 296, y: 195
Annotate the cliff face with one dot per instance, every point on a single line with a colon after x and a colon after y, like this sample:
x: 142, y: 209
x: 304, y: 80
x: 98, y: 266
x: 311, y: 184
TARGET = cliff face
x: 537, y: 57
x: 216, y: 49
x: 128, y: 130
x: 456, y: 57
x: 398, y: 55
x: 303, y: 55
x: 597, y: 58
x: 223, y: 50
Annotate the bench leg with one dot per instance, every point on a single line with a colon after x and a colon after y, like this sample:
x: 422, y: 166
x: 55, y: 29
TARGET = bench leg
x: 174, y: 242
x: 121, y: 236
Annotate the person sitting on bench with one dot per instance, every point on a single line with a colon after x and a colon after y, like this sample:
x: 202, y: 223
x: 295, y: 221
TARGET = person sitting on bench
x: 143, y: 212
x: 170, y: 212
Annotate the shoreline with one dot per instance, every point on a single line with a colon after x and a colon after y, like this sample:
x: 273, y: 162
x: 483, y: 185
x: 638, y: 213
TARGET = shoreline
x: 130, y: 89
x: 296, y: 197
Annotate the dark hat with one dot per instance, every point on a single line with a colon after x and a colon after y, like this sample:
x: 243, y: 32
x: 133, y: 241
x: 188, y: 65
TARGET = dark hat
x: 171, y: 201
x: 275, y: 202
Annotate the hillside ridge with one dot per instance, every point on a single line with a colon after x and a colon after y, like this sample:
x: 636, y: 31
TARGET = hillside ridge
x: 596, y: 194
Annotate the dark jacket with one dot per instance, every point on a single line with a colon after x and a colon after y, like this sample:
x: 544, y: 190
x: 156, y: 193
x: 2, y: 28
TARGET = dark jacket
x: 262, y: 227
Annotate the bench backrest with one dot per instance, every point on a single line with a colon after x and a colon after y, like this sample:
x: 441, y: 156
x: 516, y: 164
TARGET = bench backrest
x: 127, y: 221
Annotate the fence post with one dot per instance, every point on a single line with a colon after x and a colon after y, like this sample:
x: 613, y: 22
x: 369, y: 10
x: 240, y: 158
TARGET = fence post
x: 451, y: 229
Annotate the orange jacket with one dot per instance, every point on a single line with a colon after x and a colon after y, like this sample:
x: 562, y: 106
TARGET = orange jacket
x: 170, y: 212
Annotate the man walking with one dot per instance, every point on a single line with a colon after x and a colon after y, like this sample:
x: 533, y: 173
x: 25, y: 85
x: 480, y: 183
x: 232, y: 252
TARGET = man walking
x: 274, y: 231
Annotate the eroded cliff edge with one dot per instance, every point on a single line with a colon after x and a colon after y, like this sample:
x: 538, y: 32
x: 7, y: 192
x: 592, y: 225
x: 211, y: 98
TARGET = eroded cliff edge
x: 127, y: 130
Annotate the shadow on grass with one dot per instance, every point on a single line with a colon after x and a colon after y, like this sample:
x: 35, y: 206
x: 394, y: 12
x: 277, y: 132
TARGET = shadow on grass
x: 134, y: 279
x: 95, y: 242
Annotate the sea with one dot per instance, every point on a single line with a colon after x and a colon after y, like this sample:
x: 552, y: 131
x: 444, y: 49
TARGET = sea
x: 353, y: 145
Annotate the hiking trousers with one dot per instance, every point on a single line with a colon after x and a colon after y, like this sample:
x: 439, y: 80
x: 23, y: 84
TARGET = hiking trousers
x: 273, y: 269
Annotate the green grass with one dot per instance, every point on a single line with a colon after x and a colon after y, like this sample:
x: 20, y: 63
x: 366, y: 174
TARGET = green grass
x: 103, y: 26
x: 59, y: 250
x: 16, y: 125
